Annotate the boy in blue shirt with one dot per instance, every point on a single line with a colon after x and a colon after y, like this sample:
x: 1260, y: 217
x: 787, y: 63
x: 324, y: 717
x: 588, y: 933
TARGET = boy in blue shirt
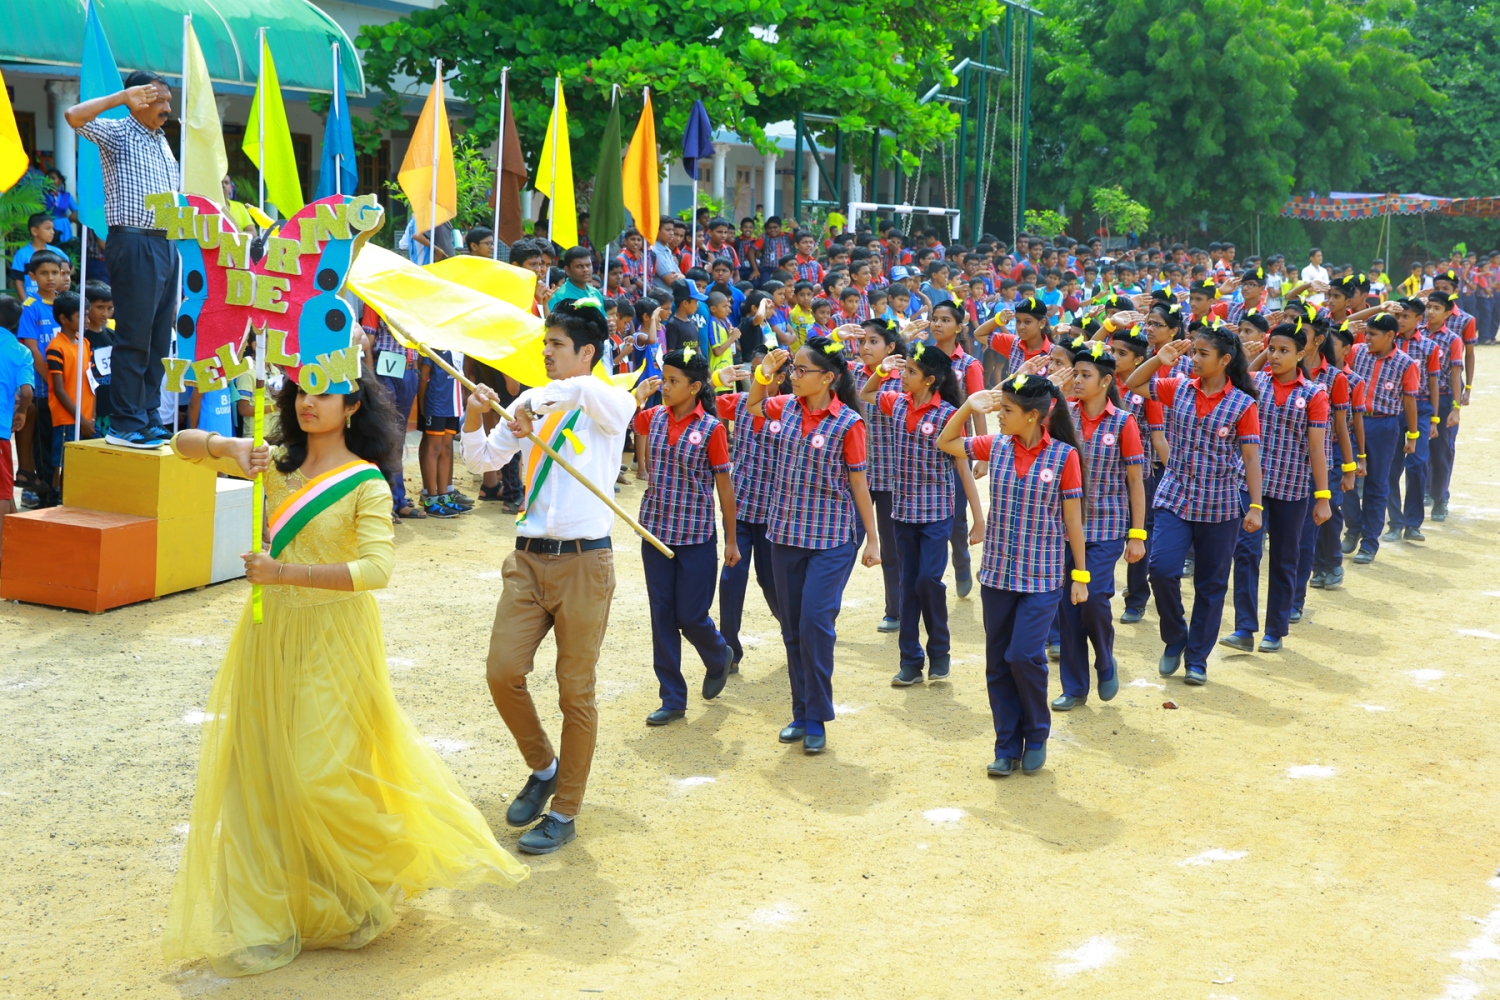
x: 441, y: 413
x: 40, y: 226
x: 17, y: 376
x: 37, y: 328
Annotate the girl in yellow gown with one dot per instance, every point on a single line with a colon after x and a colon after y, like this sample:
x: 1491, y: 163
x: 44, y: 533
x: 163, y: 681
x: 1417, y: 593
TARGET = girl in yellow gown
x: 317, y: 806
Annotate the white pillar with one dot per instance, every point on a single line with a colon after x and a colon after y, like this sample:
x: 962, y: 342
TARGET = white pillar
x: 856, y: 188
x: 814, y: 177
x: 721, y: 168
x: 666, y: 187
x: 768, y: 185
x: 64, y: 141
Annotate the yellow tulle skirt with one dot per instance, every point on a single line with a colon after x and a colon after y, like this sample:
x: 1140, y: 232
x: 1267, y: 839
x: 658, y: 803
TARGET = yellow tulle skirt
x: 318, y: 807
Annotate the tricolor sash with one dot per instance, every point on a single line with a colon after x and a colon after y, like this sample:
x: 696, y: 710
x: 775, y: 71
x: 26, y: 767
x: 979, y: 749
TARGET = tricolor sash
x: 320, y: 493
x: 539, y: 463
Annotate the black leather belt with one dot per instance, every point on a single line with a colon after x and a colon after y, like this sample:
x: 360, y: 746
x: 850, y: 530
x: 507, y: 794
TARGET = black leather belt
x: 561, y: 547
x: 159, y: 234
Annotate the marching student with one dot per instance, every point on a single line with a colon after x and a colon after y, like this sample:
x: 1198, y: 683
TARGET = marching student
x: 689, y: 456
x: 1162, y: 325
x: 1439, y: 311
x: 1029, y: 340
x: 752, y: 471
x: 819, y: 488
x: 1114, y: 523
x: 1294, y: 424
x: 945, y: 321
x: 1405, y: 521
x: 1214, y: 432
x: 923, y: 500
x: 882, y: 340
x: 1391, y: 378
x: 1320, y: 562
x: 1130, y: 348
x: 1035, y: 516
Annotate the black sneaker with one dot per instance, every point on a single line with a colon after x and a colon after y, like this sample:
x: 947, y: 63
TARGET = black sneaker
x: 1350, y: 543
x: 547, y: 836
x: 1391, y: 537
x: 1132, y: 615
x: 1414, y: 535
x: 907, y: 676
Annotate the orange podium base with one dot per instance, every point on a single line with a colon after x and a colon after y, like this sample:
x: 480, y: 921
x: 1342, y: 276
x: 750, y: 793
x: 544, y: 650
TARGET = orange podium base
x: 67, y: 557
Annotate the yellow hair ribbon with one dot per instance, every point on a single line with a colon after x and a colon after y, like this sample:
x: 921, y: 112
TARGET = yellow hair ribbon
x: 916, y: 352
x: 1097, y: 349
x: 836, y: 344
x: 1298, y: 327
x: 687, y: 353
x: 1018, y: 382
x: 1079, y: 341
x: 573, y: 440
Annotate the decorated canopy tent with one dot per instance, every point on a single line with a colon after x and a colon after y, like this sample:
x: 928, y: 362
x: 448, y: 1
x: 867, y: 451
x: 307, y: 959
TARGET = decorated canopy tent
x: 1342, y: 206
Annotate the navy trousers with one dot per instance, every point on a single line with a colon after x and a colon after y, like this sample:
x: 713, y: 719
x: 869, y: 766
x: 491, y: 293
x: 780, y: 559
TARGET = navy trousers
x: 1318, y: 550
x: 1213, y: 555
x: 145, y: 291
x: 1281, y: 533
x: 1413, y: 468
x: 810, y: 589
x: 1137, y: 574
x: 960, y: 535
x: 1015, y: 665
x: 922, y: 553
x: 680, y: 593
x: 735, y: 580
x: 1440, y: 453
x: 1089, y: 624
x: 403, y: 392
x: 1384, y: 437
x: 890, y: 568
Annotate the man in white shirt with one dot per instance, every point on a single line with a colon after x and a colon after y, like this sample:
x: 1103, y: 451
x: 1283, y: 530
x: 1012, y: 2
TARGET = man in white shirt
x: 562, y: 573
x: 1315, y: 271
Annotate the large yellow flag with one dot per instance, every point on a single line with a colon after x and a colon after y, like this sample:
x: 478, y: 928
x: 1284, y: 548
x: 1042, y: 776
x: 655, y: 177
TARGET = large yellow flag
x: 431, y: 149
x: 204, y: 162
x: 642, y: 180
x: 554, y: 176
x: 268, y: 140
x: 13, y: 158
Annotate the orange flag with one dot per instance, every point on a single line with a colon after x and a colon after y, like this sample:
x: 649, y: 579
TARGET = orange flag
x: 431, y: 151
x: 642, y: 181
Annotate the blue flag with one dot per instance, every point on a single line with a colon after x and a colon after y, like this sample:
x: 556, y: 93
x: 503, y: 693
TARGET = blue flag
x: 338, y: 143
x: 100, y: 77
x: 697, y: 140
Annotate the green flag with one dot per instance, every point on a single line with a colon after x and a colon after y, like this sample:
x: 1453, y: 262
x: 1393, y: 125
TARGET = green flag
x: 273, y: 153
x: 607, y: 207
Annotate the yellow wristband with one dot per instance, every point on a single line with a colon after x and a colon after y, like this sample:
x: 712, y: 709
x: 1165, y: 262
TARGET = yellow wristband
x: 1413, y: 435
x: 1136, y: 533
x: 1081, y: 576
x: 1109, y: 326
x: 1350, y: 466
x: 762, y: 377
x: 1362, y: 455
x: 1322, y: 494
x: 1256, y: 506
x: 1437, y: 420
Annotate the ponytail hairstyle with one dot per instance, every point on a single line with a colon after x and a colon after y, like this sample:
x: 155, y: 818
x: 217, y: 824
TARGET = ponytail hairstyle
x: 694, y: 364
x: 827, y: 354
x: 1097, y: 354
x: 1036, y: 393
x: 1226, y: 343
x: 929, y: 360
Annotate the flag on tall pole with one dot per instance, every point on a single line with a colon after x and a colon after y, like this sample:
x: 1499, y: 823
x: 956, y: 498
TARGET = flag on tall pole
x: 204, y: 163
x: 99, y: 77
x: 337, y: 174
x: 268, y: 139
x: 641, y: 176
x: 13, y: 158
x: 697, y: 144
x: 554, y: 175
x: 426, y: 173
x: 607, y: 207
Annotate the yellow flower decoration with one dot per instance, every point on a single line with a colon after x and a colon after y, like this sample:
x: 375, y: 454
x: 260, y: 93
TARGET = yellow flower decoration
x: 1175, y: 308
x: 687, y: 354
x: 1377, y: 316
x: 917, y: 351
x: 1079, y: 341
x: 1019, y: 382
x: 836, y: 344
x: 1298, y: 327
x: 1260, y: 272
x: 1097, y: 349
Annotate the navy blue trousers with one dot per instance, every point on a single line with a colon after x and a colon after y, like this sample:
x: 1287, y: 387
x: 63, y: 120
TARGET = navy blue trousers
x: 735, y: 580
x: 1384, y: 437
x: 1280, y: 536
x: 810, y: 588
x: 890, y: 569
x: 403, y: 392
x: 960, y: 535
x: 1318, y: 550
x: 680, y: 593
x: 1015, y: 665
x: 1440, y: 453
x: 1089, y: 624
x: 1213, y: 555
x: 922, y: 553
x: 1413, y: 467
x: 1137, y: 574
x: 145, y: 292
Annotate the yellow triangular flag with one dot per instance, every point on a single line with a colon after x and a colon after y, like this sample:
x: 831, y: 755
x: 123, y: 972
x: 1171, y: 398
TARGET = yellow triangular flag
x: 431, y: 147
x: 554, y: 175
x: 279, y: 166
x: 204, y: 163
x: 13, y: 158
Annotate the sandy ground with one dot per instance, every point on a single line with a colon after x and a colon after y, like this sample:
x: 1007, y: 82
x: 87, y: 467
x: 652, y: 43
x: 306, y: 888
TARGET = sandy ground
x: 1316, y: 823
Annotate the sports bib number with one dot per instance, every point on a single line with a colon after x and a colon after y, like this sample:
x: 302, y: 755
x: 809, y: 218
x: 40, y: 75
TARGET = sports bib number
x: 391, y: 364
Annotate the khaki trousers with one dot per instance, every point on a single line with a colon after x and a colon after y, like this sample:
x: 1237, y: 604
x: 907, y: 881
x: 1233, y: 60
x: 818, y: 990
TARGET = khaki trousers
x: 569, y: 595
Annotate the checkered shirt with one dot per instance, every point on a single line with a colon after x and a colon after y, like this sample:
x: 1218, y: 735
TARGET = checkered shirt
x: 1330, y: 378
x: 1182, y: 368
x: 752, y: 451
x: 1420, y: 348
x: 924, y: 489
x: 962, y: 361
x: 1205, y: 472
x: 1445, y: 339
x: 1285, y: 473
x: 772, y: 250
x: 707, y: 255
x: 1134, y: 404
x: 1025, y: 540
x: 1463, y: 325
x: 137, y: 162
x: 812, y: 506
x: 384, y: 341
x: 678, y: 506
x: 809, y: 270
x: 1382, y: 378
x: 880, y: 443
x: 631, y: 267
x: 1107, y: 513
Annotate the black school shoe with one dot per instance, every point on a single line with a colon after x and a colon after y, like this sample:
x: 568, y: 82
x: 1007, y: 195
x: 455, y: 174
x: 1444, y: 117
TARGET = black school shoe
x: 533, y: 798
x: 547, y: 836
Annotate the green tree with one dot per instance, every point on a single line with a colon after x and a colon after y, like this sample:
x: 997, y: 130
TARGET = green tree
x: 751, y: 62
